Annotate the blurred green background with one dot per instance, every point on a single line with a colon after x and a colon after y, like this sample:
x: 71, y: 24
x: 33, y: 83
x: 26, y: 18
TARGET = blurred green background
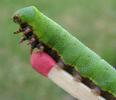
x: 92, y: 21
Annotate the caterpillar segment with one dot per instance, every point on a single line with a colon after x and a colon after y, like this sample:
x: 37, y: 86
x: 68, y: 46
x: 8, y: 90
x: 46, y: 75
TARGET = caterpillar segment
x: 46, y: 35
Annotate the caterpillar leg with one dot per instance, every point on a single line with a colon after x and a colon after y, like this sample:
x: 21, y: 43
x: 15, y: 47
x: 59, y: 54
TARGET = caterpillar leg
x: 27, y: 33
x: 35, y: 44
x: 27, y: 30
x: 96, y: 91
x: 22, y: 39
x: 18, y: 31
x: 61, y: 64
x: 77, y: 77
x: 40, y: 47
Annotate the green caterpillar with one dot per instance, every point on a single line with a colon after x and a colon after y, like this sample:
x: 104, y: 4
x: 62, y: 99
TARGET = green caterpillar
x: 71, y: 50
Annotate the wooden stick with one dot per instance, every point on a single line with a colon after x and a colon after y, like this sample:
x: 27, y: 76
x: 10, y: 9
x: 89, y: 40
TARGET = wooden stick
x: 75, y: 88
x: 46, y: 65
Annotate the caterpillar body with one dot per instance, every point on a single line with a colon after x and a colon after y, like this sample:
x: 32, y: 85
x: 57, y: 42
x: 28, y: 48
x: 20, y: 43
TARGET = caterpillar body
x: 69, y: 48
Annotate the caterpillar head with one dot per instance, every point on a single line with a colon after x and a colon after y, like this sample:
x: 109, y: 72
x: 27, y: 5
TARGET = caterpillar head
x: 24, y: 17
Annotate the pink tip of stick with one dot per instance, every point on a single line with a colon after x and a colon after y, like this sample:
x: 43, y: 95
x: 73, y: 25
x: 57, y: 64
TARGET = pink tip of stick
x: 42, y: 62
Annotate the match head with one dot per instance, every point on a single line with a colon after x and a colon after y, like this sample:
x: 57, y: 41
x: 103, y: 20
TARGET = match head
x: 42, y: 62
